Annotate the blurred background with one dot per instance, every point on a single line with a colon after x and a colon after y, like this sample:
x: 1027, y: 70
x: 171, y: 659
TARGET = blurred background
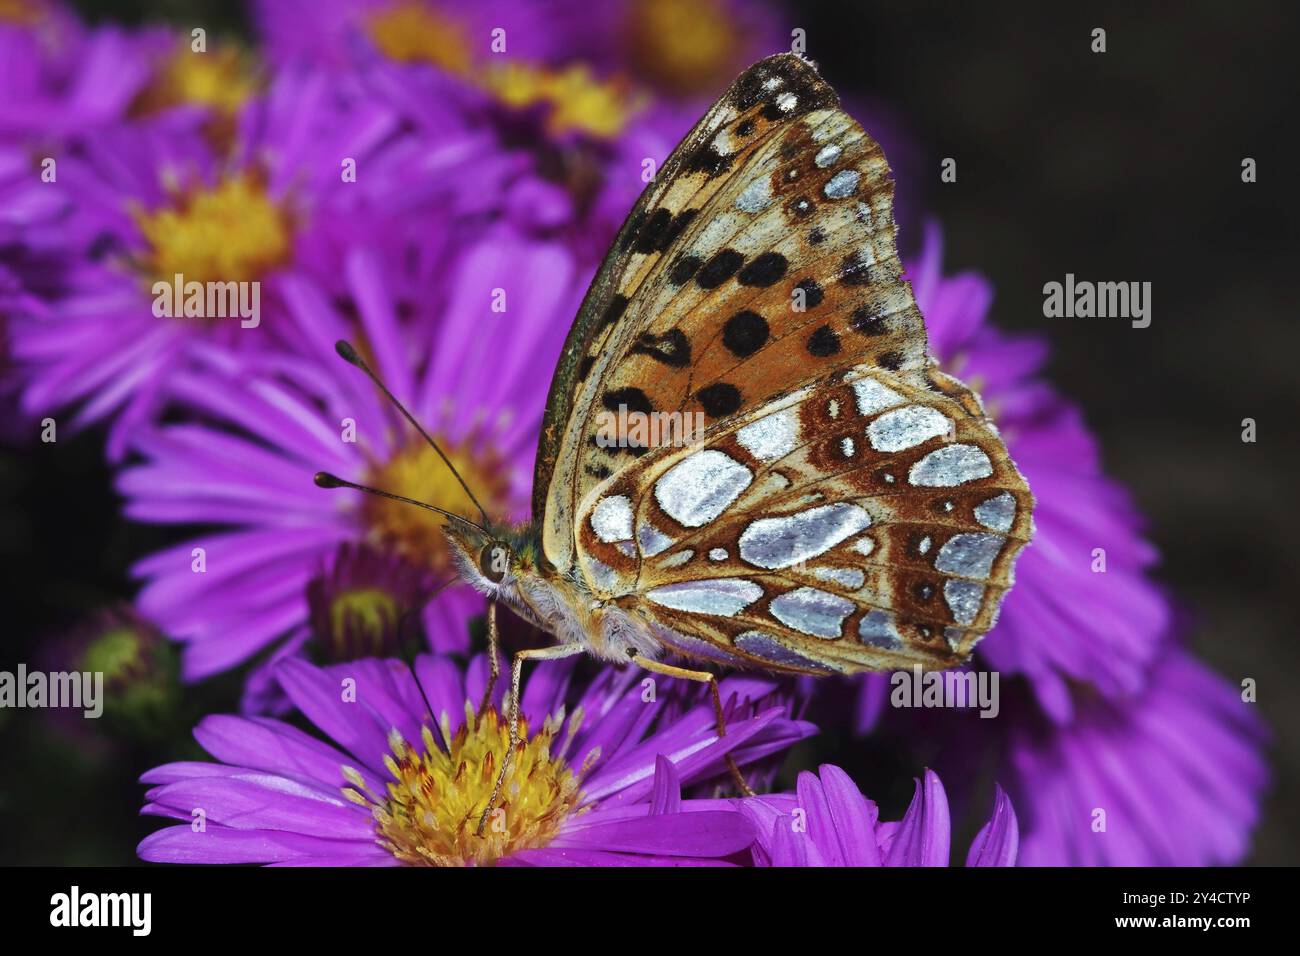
x: 1122, y: 166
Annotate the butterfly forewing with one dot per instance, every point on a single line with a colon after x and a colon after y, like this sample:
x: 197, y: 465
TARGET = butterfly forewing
x: 850, y: 506
x: 775, y: 189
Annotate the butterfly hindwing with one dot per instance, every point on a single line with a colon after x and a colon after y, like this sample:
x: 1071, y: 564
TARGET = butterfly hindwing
x: 856, y: 523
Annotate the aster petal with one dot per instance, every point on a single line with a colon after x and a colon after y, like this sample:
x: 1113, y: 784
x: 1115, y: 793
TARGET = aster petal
x: 320, y: 697
x: 256, y: 801
x: 274, y: 747
x: 667, y: 795
x: 921, y: 838
x: 708, y: 833
x: 998, y: 841
x: 181, y: 844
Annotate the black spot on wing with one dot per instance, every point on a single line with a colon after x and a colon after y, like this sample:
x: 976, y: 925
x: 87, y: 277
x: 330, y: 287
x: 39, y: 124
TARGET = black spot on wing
x: 633, y: 228
x: 823, y: 342
x: 709, y: 161
x: 613, y: 312
x: 672, y: 348
x: 719, y: 399
x: 676, y: 228
x: 801, y: 207
x: 763, y: 270
x: 866, y: 321
x: 633, y: 399
x: 683, y: 269
x: 650, y: 233
x: 812, y: 293
x: 890, y: 360
x: 745, y: 333
x: 719, y: 269
x: 854, y: 270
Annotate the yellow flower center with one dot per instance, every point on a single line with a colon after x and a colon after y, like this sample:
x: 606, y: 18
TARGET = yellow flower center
x: 21, y: 11
x: 417, y: 472
x: 222, y: 79
x: 412, y: 33
x: 232, y: 232
x: 576, y: 100
x: 430, y: 813
x: 369, y: 613
x: 683, y: 46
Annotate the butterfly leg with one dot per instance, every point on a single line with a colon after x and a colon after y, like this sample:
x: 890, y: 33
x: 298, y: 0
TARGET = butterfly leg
x: 494, y: 657
x: 553, y: 653
x: 703, y: 677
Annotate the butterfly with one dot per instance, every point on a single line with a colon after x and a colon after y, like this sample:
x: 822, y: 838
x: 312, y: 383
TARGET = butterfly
x: 846, y: 507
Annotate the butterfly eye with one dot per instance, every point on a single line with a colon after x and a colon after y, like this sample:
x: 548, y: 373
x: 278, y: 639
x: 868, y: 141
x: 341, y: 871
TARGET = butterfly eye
x: 494, y: 561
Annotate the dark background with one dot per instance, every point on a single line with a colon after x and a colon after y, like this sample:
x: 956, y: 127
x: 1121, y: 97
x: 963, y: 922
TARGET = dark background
x: 1121, y: 166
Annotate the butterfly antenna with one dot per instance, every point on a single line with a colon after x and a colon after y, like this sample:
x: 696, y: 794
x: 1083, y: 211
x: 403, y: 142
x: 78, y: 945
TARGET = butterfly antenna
x: 325, y: 480
x: 349, y: 354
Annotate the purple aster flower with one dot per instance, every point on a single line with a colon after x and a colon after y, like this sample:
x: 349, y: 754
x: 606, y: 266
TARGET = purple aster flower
x: 1064, y: 620
x: 680, y: 48
x: 474, y: 378
x: 1172, y: 776
x: 61, y: 77
x: 409, y: 767
x: 683, y: 49
x: 580, y: 142
x: 828, y: 822
x: 148, y: 202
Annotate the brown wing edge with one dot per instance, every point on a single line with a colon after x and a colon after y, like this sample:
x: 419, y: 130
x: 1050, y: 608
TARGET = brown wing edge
x: 559, y: 398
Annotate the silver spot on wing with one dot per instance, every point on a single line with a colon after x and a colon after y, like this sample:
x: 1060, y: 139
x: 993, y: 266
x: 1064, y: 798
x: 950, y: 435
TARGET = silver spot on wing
x: 770, y: 649
x: 950, y: 465
x: 812, y: 611
x: 780, y: 542
x: 969, y: 555
x: 877, y: 629
x: 652, y: 540
x: 611, y: 519
x: 844, y: 183
x: 964, y: 599
x: 699, y: 488
x: 771, y: 437
x: 907, y: 427
x: 998, y: 512
x: 874, y: 397
x: 721, y: 596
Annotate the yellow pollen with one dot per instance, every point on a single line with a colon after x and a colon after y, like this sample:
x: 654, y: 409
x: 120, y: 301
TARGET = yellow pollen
x: 417, y: 472
x: 412, y: 33
x: 233, y: 232
x: 577, y: 101
x: 222, y: 79
x: 371, y: 611
x: 430, y: 813
x: 21, y: 11
x: 683, y: 46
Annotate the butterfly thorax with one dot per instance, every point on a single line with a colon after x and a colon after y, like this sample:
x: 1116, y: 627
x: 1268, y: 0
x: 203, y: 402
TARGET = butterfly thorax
x: 506, y: 564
